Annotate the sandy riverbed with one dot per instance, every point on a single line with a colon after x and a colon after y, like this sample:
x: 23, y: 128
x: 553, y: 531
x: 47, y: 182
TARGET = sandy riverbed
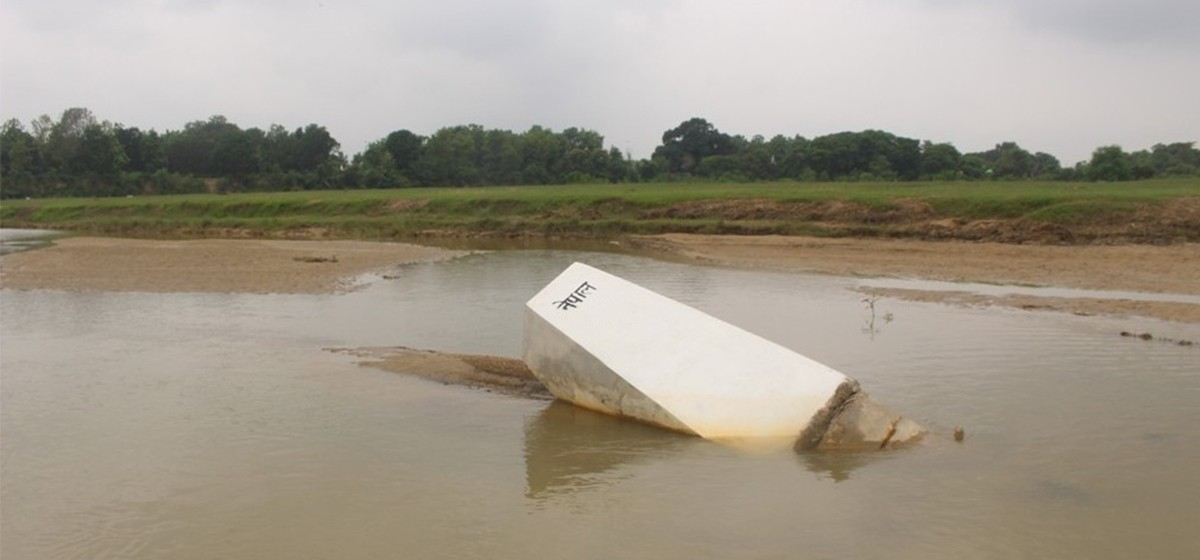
x: 1167, y: 269
x: 278, y: 266
x: 205, y: 265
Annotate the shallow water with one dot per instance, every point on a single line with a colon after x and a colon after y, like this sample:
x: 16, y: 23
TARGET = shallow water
x: 1038, y: 291
x: 13, y: 240
x: 216, y: 425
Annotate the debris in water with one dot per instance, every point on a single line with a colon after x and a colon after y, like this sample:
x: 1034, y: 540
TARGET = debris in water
x: 330, y: 259
x: 1147, y: 336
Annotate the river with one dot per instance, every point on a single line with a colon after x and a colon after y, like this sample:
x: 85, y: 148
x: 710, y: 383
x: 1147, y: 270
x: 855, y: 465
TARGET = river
x: 136, y: 425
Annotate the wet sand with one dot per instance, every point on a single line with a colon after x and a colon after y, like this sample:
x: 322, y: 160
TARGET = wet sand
x: 287, y: 266
x: 498, y: 374
x: 1168, y: 269
x: 205, y: 265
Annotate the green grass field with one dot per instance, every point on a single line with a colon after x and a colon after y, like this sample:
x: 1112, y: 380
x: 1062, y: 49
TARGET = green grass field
x: 607, y: 210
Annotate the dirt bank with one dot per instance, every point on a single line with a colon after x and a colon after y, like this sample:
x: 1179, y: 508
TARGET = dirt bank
x: 1174, y: 220
x: 1169, y: 269
x: 205, y: 265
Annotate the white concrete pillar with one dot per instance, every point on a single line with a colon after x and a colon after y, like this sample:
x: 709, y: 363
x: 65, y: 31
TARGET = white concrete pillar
x: 607, y: 344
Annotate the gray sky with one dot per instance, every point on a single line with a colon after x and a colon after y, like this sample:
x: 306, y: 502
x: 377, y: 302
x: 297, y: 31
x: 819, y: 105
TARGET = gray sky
x: 1059, y: 76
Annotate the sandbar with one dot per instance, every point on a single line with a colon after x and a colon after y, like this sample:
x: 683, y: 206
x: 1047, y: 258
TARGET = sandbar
x: 206, y: 265
x: 330, y: 266
x: 1156, y: 269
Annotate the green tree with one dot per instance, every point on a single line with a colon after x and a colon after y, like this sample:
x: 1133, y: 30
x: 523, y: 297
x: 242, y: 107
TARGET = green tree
x: 1007, y: 161
x: 940, y: 161
x: 1044, y: 166
x: 18, y: 150
x: 746, y: 160
x: 1109, y: 163
x: 42, y: 127
x: 1176, y: 159
x: 234, y: 154
x: 314, y: 148
x: 98, y: 152
x: 793, y: 156
x: 903, y: 154
x: 60, y: 140
x: 452, y: 157
x: 1012, y: 161
x: 301, y: 158
x: 500, y: 157
x: 758, y: 160
x: 685, y: 146
x: 541, y: 150
x: 374, y: 167
x: 144, y: 149
x: 276, y: 150
x: 584, y: 159
x: 1141, y: 164
x: 870, y: 154
x: 582, y: 139
x: 620, y: 169
x: 723, y: 167
x: 404, y: 147
x: 19, y: 161
x: 192, y: 151
x: 975, y: 167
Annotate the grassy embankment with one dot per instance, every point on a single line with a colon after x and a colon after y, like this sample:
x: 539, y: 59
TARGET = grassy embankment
x: 1049, y: 212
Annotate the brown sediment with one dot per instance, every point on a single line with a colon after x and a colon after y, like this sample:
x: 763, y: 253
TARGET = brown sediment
x: 296, y: 266
x: 307, y: 266
x: 205, y: 265
x: 851, y: 421
x: 811, y: 437
x: 1167, y: 310
x: 495, y: 373
x: 1171, y: 269
x: 301, y: 266
x: 1169, y: 221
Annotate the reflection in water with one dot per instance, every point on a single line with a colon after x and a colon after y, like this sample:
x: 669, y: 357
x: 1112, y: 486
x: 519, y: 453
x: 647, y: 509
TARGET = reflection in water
x: 14, y: 240
x: 1058, y: 491
x: 876, y: 318
x: 568, y: 448
x: 838, y: 466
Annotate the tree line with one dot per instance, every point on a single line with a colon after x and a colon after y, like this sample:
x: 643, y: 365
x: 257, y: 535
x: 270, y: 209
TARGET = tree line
x: 80, y: 155
x: 697, y: 149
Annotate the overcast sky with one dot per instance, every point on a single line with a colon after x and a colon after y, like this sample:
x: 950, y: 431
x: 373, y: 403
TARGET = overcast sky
x: 1059, y: 76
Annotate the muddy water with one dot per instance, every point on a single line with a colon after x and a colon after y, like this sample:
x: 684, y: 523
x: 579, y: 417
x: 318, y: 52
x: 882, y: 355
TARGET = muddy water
x: 13, y: 240
x: 216, y: 426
